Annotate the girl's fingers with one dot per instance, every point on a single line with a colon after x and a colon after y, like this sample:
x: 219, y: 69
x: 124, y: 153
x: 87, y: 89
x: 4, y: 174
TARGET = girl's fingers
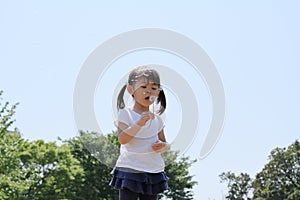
x: 145, y: 116
x: 148, y: 115
x: 158, y: 145
x: 158, y: 148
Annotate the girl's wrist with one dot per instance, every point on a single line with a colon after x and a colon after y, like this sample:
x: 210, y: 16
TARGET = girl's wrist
x: 136, y: 125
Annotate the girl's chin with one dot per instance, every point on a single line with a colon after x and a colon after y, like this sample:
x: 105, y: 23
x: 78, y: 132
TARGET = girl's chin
x: 145, y: 103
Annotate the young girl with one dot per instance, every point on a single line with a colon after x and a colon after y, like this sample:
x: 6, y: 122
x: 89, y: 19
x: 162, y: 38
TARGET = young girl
x: 139, y: 171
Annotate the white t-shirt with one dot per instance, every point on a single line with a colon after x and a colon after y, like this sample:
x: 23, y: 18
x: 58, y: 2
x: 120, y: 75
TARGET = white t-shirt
x: 138, y: 154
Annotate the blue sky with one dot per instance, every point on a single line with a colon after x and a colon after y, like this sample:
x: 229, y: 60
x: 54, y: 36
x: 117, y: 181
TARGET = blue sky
x: 254, y: 45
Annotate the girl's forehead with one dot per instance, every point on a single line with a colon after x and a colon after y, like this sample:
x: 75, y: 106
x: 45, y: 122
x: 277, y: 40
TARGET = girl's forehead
x: 144, y: 80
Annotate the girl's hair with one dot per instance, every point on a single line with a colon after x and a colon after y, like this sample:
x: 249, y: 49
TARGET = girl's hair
x: 151, y: 75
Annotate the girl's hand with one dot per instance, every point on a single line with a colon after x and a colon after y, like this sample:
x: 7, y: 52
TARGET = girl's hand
x: 159, y: 146
x: 145, y: 116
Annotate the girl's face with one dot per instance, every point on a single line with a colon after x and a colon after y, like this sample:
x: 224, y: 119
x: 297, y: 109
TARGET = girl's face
x: 142, y: 90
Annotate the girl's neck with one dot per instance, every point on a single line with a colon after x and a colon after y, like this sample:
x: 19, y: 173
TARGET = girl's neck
x: 139, y: 108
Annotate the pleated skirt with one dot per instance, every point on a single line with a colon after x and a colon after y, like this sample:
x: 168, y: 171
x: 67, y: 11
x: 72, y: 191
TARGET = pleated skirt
x: 143, y: 183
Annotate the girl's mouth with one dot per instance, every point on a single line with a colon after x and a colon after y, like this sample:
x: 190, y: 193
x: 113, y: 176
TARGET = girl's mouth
x: 151, y: 98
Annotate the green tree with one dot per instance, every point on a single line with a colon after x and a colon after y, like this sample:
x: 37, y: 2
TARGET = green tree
x: 11, y: 175
x: 278, y: 180
x: 34, y: 170
x: 181, y: 182
x: 10, y: 144
x: 50, y: 170
x: 6, y: 113
x: 280, y: 177
x: 239, y: 186
x: 95, y: 184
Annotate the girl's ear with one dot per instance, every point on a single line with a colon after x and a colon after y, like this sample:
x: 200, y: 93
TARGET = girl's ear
x: 130, y: 89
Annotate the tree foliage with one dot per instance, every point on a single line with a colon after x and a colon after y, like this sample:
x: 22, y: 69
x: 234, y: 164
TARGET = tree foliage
x: 39, y: 170
x: 278, y: 180
x: 239, y: 186
x: 10, y: 146
x: 280, y: 177
x: 95, y: 183
x: 34, y: 170
x: 181, y: 182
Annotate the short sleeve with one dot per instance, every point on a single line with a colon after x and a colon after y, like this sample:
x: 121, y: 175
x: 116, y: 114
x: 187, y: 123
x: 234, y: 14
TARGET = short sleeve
x: 124, y: 117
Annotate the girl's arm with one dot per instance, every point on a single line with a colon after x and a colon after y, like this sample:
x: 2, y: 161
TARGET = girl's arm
x: 161, y: 136
x: 126, y: 133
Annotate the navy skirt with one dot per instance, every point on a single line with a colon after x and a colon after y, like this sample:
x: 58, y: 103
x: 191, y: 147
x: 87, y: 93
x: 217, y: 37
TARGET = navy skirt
x: 143, y: 183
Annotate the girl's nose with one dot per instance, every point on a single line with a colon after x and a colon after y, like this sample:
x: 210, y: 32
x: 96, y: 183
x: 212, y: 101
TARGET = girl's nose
x: 147, y: 91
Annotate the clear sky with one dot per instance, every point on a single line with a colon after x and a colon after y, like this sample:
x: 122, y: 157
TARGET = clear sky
x: 255, y: 46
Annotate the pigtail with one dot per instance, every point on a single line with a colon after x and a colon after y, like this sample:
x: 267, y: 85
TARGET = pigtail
x: 162, y: 100
x: 120, y: 100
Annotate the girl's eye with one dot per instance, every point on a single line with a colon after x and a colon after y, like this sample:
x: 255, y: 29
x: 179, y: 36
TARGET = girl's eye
x: 143, y: 86
x: 154, y: 88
